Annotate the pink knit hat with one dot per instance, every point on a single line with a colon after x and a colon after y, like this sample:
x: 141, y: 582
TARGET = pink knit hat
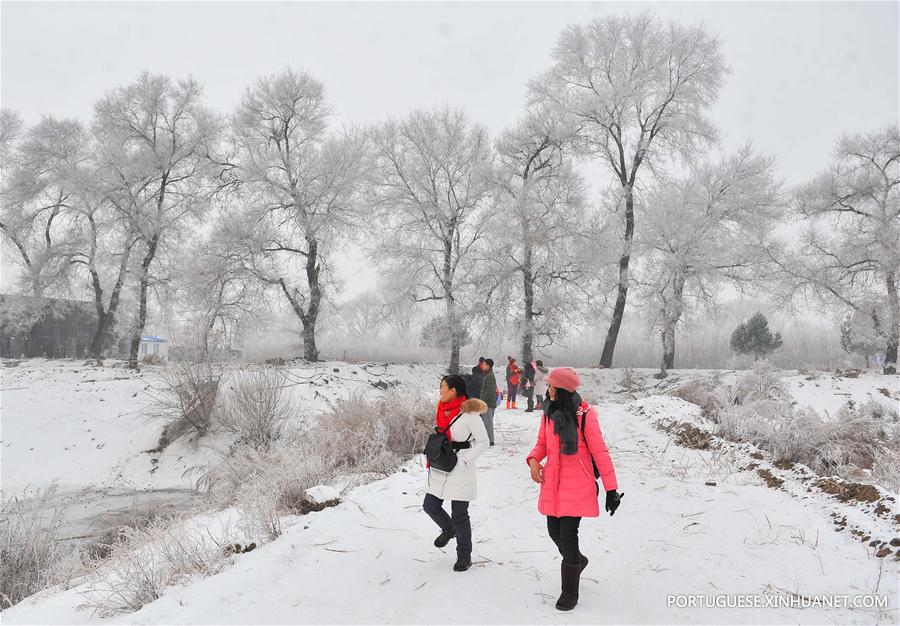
x: 563, y: 378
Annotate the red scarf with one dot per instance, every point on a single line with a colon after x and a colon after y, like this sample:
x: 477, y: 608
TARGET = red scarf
x: 446, y: 413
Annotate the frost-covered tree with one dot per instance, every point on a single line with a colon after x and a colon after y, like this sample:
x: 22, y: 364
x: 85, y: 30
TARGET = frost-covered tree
x: 435, y: 333
x: 36, y: 217
x: 541, y: 250
x: 365, y: 315
x: 636, y: 90
x: 863, y: 332
x: 300, y: 181
x: 154, y: 137
x: 433, y: 188
x: 103, y: 247
x: 754, y: 337
x: 702, y: 231
x: 217, y: 291
x: 849, y: 252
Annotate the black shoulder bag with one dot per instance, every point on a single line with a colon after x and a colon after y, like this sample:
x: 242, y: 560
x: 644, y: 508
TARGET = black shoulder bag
x: 593, y: 463
x: 440, y: 451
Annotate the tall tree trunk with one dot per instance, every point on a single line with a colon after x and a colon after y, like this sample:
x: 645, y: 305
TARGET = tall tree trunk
x: 453, y: 324
x: 453, y: 320
x: 310, y: 316
x: 142, y: 307
x: 528, y: 322
x: 672, y: 312
x: 893, y: 330
x: 612, y: 335
x: 106, y: 317
x: 310, y: 351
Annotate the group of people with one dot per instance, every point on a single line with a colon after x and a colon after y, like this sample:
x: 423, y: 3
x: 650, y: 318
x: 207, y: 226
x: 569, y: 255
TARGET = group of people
x: 569, y: 445
x: 531, y: 381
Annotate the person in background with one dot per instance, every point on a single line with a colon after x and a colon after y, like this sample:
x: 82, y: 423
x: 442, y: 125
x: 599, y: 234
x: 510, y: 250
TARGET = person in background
x: 489, y: 397
x: 459, y: 418
x: 527, y: 385
x: 512, y: 382
x: 540, y: 384
x: 473, y: 385
x: 569, y: 438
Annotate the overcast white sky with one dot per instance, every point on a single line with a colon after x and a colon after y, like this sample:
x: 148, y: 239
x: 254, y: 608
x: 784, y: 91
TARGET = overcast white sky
x: 802, y: 72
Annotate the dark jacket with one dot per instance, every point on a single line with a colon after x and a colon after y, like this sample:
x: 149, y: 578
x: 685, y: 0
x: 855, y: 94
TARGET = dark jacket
x: 527, y: 377
x: 489, y: 390
x: 473, y: 385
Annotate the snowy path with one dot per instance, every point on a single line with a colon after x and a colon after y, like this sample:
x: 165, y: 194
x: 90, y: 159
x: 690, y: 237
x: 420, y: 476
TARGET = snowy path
x: 370, y: 560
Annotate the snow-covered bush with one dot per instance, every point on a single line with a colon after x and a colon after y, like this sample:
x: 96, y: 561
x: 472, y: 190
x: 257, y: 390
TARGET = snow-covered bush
x: 258, y: 504
x: 358, y: 435
x: 254, y: 407
x: 703, y: 393
x: 186, y: 400
x: 363, y: 434
x: 149, y: 559
x: 761, y: 383
x: 886, y: 468
x: 855, y: 440
x: 31, y: 557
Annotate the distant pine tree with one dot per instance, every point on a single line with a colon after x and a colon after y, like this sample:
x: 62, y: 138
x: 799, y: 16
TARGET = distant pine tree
x: 754, y: 337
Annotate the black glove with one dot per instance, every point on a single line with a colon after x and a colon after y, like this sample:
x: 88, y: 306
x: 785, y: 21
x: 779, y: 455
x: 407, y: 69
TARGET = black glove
x: 613, y: 499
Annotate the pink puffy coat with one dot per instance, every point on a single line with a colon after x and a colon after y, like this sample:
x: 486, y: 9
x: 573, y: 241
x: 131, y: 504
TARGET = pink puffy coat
x: 569, y: 488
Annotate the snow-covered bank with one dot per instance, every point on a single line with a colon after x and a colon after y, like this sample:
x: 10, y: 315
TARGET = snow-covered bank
x: 370, y: 559
x: 87, y: 427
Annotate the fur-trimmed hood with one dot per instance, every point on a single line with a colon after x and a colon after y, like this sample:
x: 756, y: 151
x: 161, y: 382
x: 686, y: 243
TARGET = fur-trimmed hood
x: 473, y: 405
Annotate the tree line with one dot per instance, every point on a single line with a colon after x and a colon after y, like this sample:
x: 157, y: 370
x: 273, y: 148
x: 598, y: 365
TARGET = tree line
x: 161, y: 194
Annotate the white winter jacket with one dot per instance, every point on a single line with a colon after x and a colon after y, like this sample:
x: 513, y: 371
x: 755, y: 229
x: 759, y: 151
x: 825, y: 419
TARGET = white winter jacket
x: 540, y: 381
x: 461, y: 483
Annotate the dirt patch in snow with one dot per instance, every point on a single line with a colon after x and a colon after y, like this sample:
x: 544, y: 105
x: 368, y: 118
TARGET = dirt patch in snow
x: 686, y: 435
x: 771, y: 480
x: 845, y: 491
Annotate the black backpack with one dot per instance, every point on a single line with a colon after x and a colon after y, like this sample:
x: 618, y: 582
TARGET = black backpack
x: 440, y: 451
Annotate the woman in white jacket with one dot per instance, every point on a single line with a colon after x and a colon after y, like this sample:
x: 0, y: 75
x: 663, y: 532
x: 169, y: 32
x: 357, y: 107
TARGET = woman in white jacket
x: 540, y: 383
x: 469, y: 437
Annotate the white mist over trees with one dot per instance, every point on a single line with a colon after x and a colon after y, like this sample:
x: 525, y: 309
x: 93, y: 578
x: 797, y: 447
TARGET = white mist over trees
x: 605, y: 194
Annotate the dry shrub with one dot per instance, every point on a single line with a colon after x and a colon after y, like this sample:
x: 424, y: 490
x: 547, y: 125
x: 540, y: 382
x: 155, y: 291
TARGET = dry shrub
x: 855, y: 439
x: 762, y: 383
x: 703, y: 393
x: 31, y: 557
x: 886, y: 468
x: 254, y: 407
x: 373, y: 435
x: 187, y: 400
x: 139, y: 568
x: 358, y: 435
x: 628, y: 381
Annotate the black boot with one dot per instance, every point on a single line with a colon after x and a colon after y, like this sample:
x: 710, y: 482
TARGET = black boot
x: 571, y: 575
x: 444, y: 538
x: 463, y: 561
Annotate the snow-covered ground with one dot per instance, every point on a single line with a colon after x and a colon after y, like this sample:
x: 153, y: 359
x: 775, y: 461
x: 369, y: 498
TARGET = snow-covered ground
x: 692, y: 522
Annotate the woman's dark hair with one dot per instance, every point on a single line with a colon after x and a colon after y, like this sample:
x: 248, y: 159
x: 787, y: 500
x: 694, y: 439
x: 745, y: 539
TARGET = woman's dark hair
x: 565, y: 401
x: 457, y: 382
x: 539, y: 363
x: 490, y: 363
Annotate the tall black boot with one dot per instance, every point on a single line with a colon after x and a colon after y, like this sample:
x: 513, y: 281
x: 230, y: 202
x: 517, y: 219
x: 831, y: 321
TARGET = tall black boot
x: 571, y: 576
x: 463, y: 560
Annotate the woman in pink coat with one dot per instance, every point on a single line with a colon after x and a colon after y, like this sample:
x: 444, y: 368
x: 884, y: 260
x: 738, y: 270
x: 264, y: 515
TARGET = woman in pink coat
x: 570, y: 439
